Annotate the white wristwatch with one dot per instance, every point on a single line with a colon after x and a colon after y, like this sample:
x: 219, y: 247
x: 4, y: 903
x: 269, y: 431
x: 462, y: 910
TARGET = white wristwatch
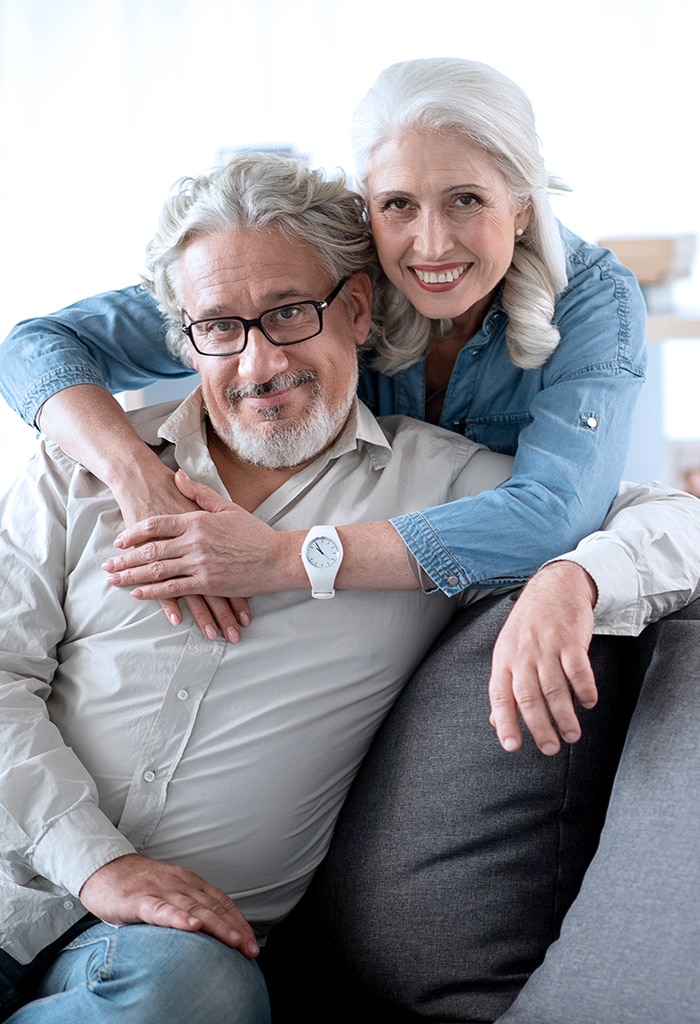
x: 322, y: 554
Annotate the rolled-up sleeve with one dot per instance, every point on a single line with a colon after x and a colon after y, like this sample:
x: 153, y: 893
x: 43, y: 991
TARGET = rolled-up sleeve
x: 646, y: 562
x: 115, y: 340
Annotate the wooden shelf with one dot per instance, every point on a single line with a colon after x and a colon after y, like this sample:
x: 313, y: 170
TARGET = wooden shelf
x: 681, y: 324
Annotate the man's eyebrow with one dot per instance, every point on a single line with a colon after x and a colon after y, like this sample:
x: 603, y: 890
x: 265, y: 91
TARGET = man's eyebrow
x: 288, y: 295
x: 274, y: 299
x: 212, y: 312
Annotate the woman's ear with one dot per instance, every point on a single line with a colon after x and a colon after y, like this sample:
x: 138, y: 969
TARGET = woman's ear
x: 522, y: 218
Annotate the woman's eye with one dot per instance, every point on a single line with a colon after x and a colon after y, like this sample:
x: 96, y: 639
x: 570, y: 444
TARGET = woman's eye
x: 467, y: 201
x: 396, y: 204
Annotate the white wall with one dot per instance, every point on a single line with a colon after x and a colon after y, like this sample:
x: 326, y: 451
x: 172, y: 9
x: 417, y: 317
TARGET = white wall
x: 104, y: 103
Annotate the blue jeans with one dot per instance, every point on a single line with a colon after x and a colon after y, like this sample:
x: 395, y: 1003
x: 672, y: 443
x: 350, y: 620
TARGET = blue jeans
x: 141, y: 973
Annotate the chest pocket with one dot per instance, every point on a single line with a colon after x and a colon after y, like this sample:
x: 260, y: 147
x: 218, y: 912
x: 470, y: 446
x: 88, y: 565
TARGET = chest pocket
x: 499, y: 433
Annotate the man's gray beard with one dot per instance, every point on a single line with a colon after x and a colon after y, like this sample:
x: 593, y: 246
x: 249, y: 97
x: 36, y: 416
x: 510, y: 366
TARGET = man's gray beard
x: 286, y: 445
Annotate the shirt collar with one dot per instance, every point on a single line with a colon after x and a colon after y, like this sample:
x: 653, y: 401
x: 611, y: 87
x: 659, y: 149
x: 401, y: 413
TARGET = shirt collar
x: 183, y: 424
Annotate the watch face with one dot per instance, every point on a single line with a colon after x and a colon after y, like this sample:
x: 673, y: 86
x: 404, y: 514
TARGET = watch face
x: 322, y: 552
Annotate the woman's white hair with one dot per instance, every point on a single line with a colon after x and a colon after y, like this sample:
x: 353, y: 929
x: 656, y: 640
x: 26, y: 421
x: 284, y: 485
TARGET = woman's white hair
x: 473, y: 100
x: 261, y: 191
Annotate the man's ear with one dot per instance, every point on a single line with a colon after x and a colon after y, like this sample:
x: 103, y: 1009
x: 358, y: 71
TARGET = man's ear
x: 360, y: 299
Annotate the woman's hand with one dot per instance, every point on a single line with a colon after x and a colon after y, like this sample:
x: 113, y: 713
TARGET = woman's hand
x: 540, y: 659
x: 211, y: 613
x: 91, y: 426
x: 220, y: 549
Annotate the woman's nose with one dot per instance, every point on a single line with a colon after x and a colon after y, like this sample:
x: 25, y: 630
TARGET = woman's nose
x: 433, y: 238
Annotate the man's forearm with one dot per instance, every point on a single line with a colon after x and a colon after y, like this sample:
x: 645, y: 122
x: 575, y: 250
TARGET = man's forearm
x: 541, y: 657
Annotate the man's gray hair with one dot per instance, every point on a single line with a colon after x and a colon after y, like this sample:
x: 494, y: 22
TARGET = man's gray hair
x: 257, y: 190
x: 488, y: 110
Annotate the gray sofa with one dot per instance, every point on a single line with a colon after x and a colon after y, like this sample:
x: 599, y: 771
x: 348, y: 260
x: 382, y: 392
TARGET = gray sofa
x: 455, y: 867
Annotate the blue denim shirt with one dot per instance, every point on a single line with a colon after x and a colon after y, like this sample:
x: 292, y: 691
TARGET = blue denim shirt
x: 568, y: 423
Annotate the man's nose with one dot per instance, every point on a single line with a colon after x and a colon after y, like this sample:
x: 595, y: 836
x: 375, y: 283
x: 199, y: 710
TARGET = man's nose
x: 260, y: 359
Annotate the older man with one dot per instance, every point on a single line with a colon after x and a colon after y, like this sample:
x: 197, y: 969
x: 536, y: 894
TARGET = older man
x: 183, y: 790
x: 148, y: 775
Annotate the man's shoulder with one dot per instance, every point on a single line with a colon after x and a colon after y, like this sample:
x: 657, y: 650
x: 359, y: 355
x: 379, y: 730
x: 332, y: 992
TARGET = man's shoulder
x: 405, y: 430
x: 464, y: 467
x: 148, y: 420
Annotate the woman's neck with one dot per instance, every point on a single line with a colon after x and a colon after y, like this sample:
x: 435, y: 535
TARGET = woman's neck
x: 443, y: 352
x: 439, y: 364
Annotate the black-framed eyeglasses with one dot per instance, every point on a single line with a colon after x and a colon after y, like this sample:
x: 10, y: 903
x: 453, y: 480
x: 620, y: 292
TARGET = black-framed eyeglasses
x: 281, y: 325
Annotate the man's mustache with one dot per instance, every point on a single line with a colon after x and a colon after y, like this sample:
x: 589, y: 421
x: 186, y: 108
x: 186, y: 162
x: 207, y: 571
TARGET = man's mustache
x: 280, y: 383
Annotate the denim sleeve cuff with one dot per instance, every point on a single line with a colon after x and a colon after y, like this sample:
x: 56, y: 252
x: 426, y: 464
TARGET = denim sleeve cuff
x: 426, y: 548
x: 50, y: 384
x: 425, y: 583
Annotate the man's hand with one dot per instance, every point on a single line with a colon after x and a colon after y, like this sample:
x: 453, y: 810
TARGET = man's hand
x: 541, y: 657
x: 220, y: 550
x: 133, y: 889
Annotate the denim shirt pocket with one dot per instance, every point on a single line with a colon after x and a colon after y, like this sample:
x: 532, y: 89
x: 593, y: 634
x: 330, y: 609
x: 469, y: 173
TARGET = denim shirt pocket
x: 500, y: 432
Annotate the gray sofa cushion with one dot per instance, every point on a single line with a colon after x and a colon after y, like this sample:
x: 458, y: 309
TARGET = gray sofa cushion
x: 630, y: 946
x: 454, y: 863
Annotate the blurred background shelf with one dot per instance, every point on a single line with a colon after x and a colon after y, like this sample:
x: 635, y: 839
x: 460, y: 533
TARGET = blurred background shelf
x: 666, y: 440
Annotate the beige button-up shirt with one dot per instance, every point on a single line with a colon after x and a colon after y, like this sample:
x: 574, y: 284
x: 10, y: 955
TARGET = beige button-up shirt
x: 121, y: 733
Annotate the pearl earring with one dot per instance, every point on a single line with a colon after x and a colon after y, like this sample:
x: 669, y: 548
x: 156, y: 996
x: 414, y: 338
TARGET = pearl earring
x: 519, y: 232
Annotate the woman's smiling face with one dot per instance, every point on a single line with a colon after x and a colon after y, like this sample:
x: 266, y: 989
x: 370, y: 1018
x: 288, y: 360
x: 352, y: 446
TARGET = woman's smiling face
x: 444, y: 222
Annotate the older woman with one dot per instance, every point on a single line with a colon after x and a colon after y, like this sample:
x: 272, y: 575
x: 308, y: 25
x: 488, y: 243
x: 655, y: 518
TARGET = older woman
x: 490, y: 319
x: 496, y: 322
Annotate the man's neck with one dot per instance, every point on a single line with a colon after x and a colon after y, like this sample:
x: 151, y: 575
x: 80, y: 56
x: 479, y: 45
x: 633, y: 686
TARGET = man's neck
x: 248, y: 485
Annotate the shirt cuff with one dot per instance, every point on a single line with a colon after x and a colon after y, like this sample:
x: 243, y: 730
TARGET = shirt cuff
x: 76, y: 845
x: 615, y: 575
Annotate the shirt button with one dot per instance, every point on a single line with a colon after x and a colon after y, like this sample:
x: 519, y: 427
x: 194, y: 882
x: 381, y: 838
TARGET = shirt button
x: 149, y: 776
x: 68, y: 904
x: 592, y: 422
x: 476, y: 351
x: 182, y: 694
x: 452, y: 581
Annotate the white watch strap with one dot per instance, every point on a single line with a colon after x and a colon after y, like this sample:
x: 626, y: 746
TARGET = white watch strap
x: 322, y: 554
